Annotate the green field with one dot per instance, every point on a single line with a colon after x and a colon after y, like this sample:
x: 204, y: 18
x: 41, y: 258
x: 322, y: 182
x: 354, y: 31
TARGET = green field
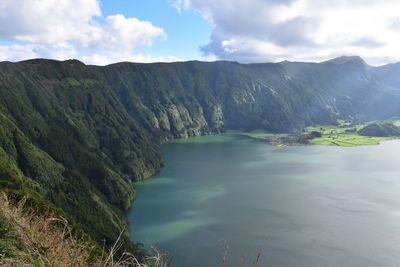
x: 343, y: 134
x: 347, y: 140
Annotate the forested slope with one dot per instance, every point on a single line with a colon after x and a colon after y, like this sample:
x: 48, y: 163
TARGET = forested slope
x: 77, y: 135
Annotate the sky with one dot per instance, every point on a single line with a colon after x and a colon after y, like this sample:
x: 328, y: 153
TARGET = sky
x: 101, y: 32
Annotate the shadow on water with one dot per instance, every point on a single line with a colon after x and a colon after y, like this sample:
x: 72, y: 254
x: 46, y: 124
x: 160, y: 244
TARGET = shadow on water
x: 302, y: 206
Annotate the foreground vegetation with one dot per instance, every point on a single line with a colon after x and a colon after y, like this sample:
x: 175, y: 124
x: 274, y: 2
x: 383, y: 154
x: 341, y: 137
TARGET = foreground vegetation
x: 75, y: 137
x: 30, y: 238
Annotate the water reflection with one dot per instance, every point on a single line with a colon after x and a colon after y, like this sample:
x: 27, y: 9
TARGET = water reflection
x: 302, y: 206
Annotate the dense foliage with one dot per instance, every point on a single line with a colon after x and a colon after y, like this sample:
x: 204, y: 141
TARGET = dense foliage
x: 77, y: 136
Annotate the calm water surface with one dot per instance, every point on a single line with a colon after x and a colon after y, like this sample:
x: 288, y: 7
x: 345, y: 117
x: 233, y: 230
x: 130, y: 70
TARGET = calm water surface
x: 298, y: 206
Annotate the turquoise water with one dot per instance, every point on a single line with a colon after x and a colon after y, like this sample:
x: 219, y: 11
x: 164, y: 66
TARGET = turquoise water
x: 297, y: 206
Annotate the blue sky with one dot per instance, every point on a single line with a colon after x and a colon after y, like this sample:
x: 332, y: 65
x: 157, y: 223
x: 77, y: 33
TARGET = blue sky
x: 100, y: 31
x: 106, y: 31
x: 186, y: 31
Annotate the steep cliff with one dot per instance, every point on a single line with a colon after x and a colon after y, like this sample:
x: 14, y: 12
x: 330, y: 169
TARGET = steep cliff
x: 79, y: 135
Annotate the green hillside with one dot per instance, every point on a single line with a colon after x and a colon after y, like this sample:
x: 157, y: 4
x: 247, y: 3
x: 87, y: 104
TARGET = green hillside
x: 77, y: 136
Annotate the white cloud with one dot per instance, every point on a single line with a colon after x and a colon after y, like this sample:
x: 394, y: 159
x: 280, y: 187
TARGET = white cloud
x: 105, y: 59
x: 47, y: 21
x: 17, y: 52
x: 181, y: 5
x: 61, y: 28
x: 60, y: 51
x: 125, y: 33
x: 273, y: 30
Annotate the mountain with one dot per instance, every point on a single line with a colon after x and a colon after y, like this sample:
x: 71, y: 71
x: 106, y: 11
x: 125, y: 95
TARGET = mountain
x: 380, y: 129
x: 389, y: 74
x: 76, y: 136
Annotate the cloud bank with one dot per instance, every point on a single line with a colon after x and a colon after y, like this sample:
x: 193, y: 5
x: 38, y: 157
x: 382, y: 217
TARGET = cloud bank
x: 303, y: 30
x: 62, y: 29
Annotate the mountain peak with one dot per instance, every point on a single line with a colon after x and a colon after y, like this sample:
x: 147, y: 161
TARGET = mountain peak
x: 346, y: 60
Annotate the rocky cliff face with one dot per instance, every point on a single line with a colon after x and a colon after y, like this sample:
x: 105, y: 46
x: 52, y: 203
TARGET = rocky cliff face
x: 186, y: 99
x: 103, y: 125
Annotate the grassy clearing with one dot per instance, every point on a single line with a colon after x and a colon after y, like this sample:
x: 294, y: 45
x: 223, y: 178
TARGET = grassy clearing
x: 343, y: 134
x: 347, y: 140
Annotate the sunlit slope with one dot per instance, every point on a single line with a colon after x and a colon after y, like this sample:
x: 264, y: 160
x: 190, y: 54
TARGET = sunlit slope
x: 93, y: 130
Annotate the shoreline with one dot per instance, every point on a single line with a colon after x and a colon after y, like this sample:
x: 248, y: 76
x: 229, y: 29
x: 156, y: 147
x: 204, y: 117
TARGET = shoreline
x: 344, y: 134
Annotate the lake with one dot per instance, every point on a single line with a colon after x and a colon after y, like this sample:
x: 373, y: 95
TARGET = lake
x: 296, y: 206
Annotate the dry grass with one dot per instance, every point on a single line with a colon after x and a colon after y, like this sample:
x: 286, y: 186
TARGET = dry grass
x: 243, y: 262
x: 44, y: 240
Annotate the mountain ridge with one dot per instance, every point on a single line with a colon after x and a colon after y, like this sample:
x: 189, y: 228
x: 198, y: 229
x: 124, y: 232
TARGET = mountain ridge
x: 338, y: 59
x: 98, y: 128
